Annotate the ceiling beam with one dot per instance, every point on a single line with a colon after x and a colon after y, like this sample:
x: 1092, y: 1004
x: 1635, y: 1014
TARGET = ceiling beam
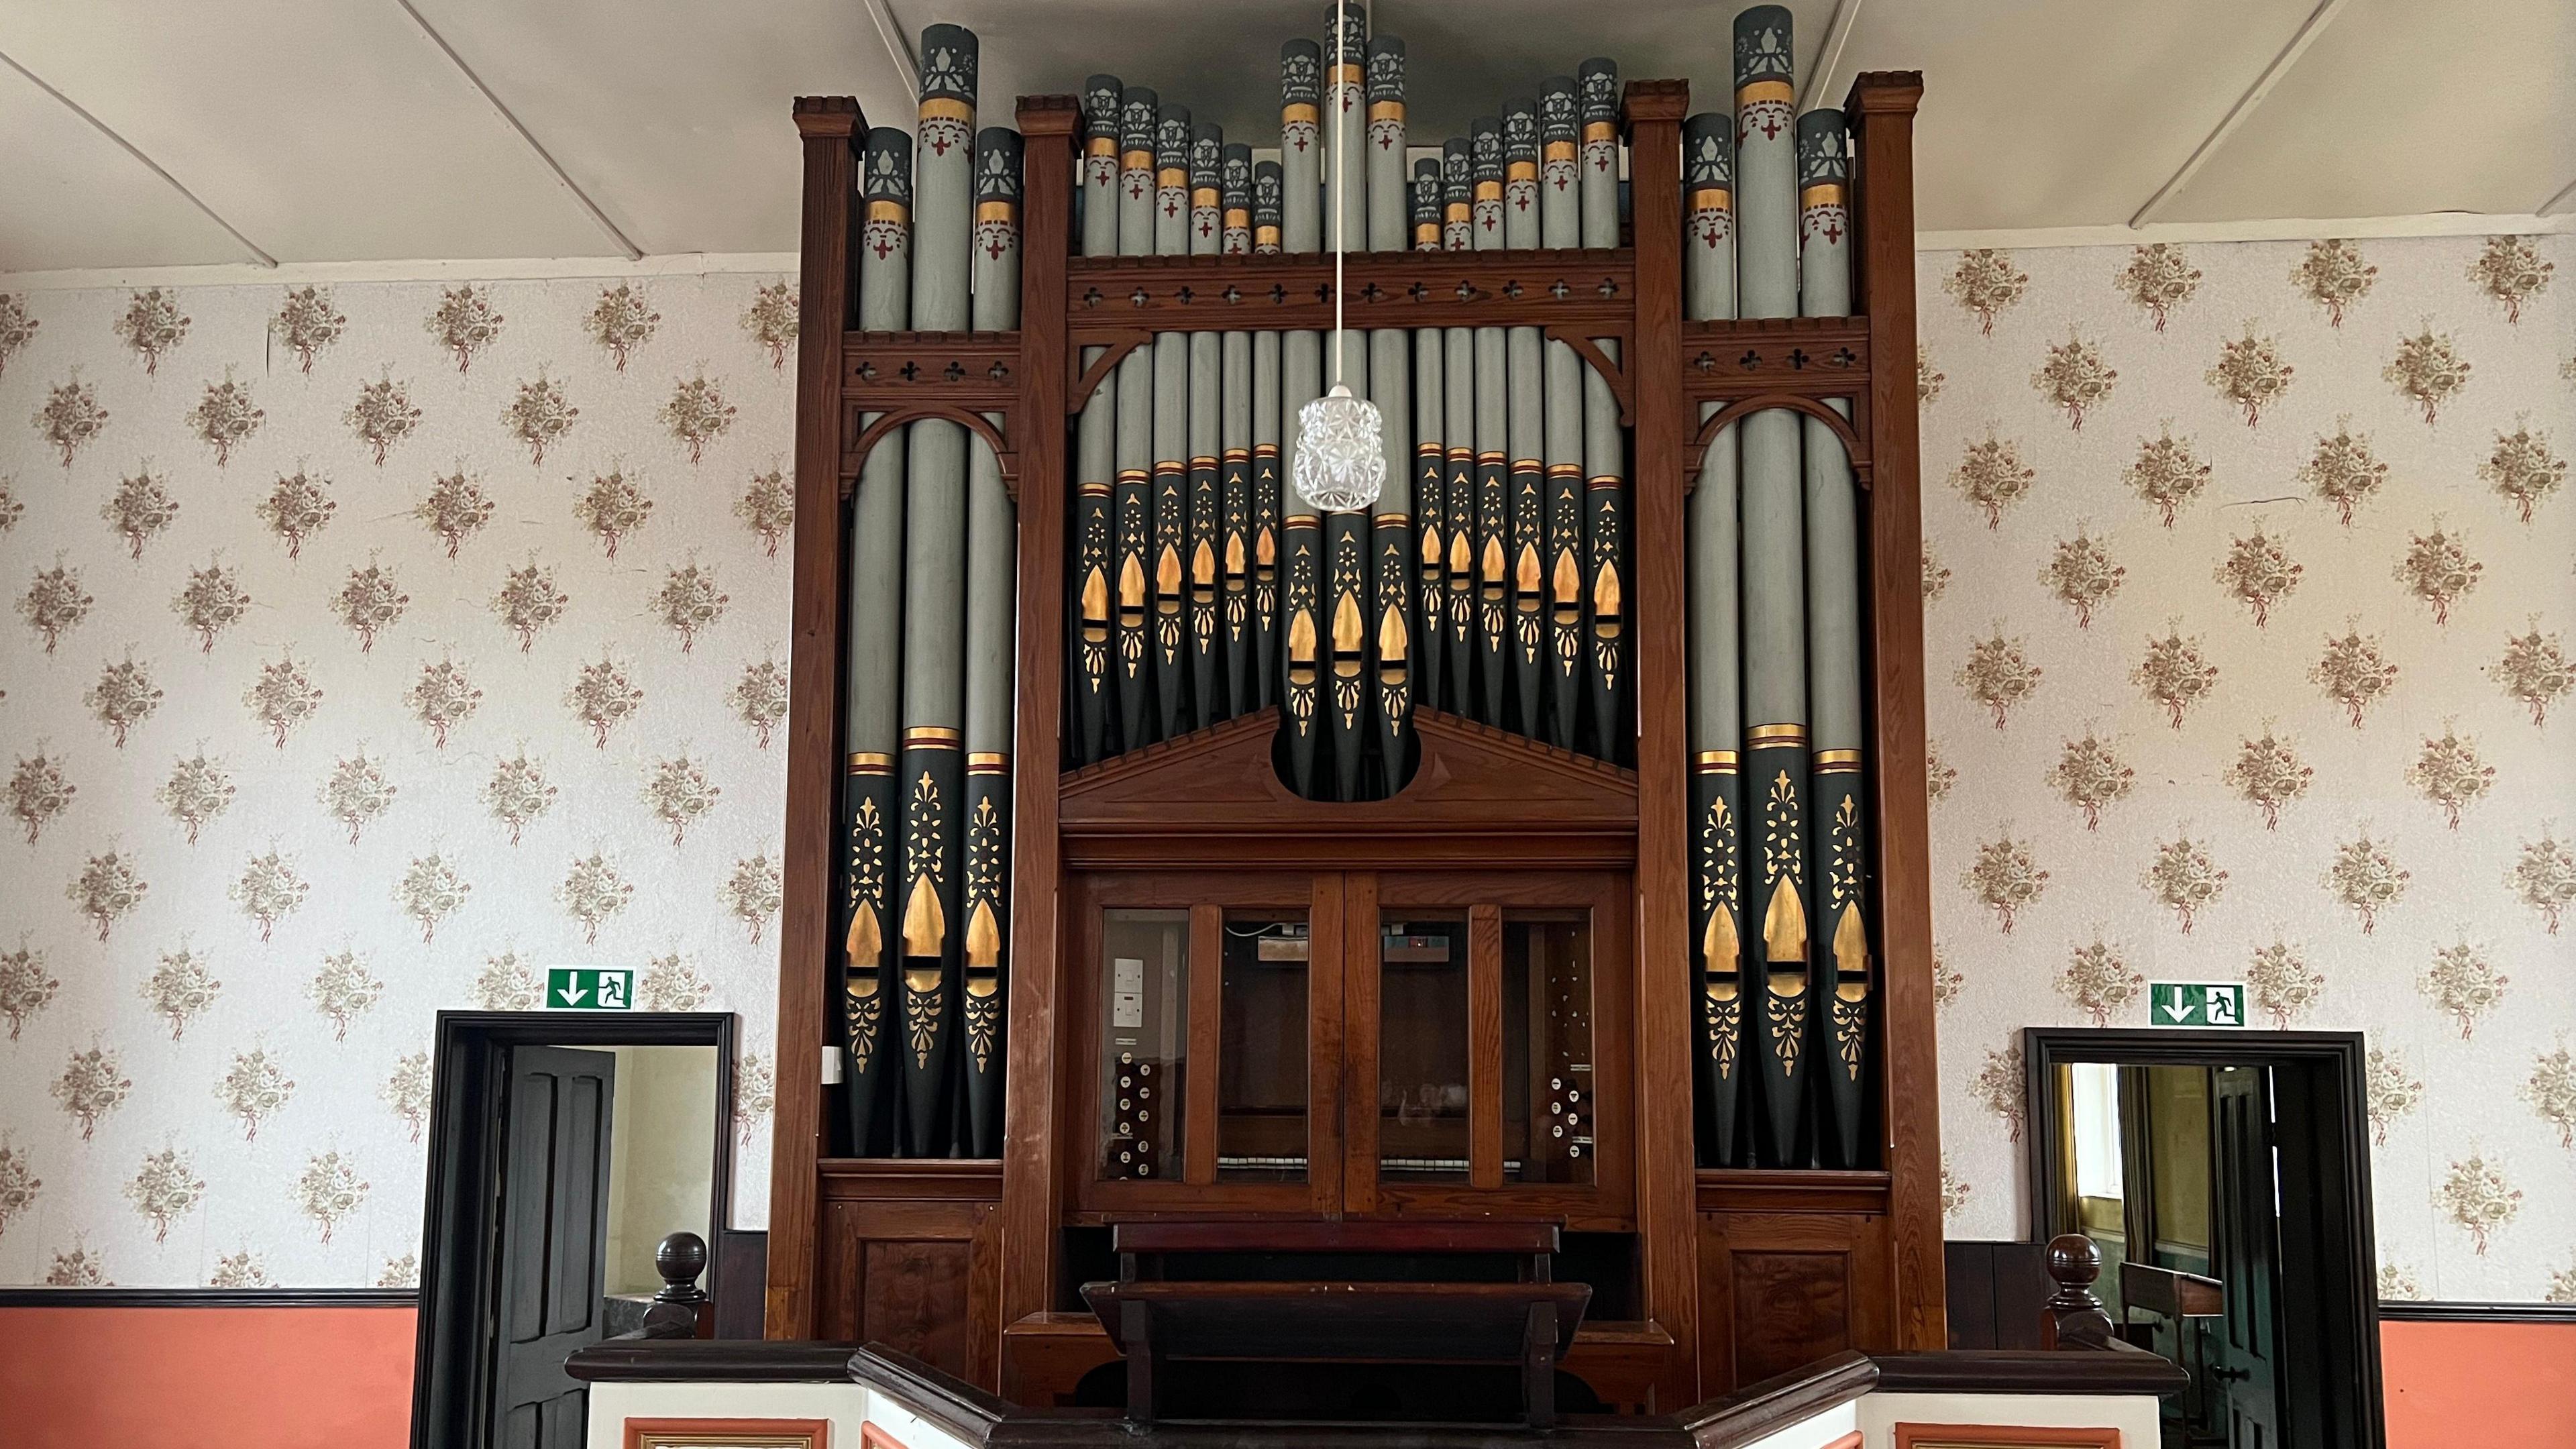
x: 2566, y: 197
x: 2318, y: 20
x: 103, y: 128
x: 1819, y: 89
x: 633, y: 252
x: 890, y: 30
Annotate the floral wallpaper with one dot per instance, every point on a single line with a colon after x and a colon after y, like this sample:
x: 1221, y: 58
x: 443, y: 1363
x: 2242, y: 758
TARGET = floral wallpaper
x: 370, y: 648
x: 376, y: 646
x: 2250, y: 596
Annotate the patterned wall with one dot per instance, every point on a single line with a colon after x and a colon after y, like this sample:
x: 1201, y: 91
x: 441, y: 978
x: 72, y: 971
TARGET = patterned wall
x: 2248, y: 614
x: 340, y: 695
x: 373, y: 648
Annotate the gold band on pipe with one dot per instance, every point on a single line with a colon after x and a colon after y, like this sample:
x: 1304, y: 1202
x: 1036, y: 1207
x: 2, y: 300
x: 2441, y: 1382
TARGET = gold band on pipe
x: 1295, y: 112
x: 1712, y: 198
x: 1103, y: 146
x: 869, y: 762
x: 1558, y: 151
x: 1837, y: 762
x: 1600, y: 130
x: 1135, y: 160
x: 1822, y: 193
x: 945, y: 108
x: 933, y: 737
x: 1776, y: 734
x: 1755, y: 92
x: 889, y: 211
x: 987, y: 762
x: 1714, y: 762
x: 1386, y: 110
x: 997, y: 211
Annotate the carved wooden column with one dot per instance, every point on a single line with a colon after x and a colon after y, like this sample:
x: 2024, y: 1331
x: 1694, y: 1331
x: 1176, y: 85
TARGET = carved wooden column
x: 1029, y: 1116
x: 1666, y: 1224
x: 830, y: 125
x: 1881, y: 108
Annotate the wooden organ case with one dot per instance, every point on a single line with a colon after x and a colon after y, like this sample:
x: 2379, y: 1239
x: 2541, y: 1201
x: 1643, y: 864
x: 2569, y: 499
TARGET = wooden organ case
x: 1301, y: 987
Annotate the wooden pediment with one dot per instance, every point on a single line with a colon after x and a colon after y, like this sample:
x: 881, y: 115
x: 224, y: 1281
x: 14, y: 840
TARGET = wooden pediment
x: 1478, y: 796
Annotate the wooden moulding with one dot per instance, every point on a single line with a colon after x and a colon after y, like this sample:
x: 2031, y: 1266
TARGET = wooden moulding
x: 1781, y: 1191
x: 1478, y: 795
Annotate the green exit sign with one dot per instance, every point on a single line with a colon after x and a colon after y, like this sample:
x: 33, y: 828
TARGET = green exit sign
x: 2196, y: 1003
x: 590, y: 988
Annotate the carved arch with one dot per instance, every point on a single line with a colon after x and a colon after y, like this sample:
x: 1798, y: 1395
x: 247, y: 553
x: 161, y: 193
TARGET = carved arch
x: 1745, y: 407
x: 855, y: 456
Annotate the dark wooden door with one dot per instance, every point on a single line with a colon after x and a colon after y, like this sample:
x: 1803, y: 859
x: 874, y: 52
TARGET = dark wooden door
x: 553, y: 1242
x: 2244, y: 1357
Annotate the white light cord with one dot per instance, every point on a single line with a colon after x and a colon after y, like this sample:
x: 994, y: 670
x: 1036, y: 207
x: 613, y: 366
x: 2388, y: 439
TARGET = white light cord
x: 1341, y: 181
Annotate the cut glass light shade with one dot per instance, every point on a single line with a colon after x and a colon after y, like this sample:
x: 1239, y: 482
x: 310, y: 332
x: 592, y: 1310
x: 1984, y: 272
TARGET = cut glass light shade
x: 1341, y: 459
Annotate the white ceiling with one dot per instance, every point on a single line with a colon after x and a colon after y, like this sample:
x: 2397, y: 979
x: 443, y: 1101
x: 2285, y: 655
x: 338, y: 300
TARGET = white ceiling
x: 144, y: 133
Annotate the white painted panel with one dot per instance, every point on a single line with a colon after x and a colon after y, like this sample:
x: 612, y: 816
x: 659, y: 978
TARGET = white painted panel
x: 2043, y: 113
x: 323, y: 130
x: 2402, y: 106
x: 2134, y: 1415
x: 70, y: 197
x: 675, y: 117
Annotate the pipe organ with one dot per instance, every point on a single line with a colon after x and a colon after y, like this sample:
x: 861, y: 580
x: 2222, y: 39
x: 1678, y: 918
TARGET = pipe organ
x: 1197, y: 850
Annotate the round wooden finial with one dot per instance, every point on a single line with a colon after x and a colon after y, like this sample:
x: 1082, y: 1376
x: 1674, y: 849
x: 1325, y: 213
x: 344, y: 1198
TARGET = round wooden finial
x: 2074, y: 1260
x: 680, y: 1258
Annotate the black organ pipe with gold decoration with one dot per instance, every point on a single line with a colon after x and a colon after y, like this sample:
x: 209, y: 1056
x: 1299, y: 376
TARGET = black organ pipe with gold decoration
x: 1234, y: 460
x: 1133, y: 623
x: 932, y: 762
x: 1604, y: 444
x: 1844, y: 980
x: 1526, y: 431
x: 1390, y: 371
x: 1348, y: 689
x: 1560, y: 206
x: 1716, y: 684
x: 1267, y: 509
x: 992, y: 571
x: 1493, y: 452
x: 1094, y: 656
x: 1458, y: 410
x: 1171, y: 540
x: 1301, y: 622
x: 871, y: 714
x: 1206, y: 506
x: 1775, y: 629
x: 1430, y: 466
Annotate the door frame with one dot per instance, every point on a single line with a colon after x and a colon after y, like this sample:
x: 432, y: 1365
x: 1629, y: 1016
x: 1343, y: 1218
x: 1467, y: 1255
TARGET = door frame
x: 469, y: 1090
x: 2317, y: 1076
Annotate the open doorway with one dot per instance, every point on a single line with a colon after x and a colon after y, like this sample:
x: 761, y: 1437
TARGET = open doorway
x: 563, y: 1147
x: 2225, y: 1175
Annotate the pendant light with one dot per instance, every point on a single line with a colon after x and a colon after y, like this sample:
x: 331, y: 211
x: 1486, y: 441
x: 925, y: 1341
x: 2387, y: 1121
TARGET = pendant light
x: 1340, y: 463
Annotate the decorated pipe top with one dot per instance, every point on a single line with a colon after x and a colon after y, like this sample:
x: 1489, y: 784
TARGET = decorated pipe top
x: 1762, y: 53
x: 886, y: 170
x: 1100, y: 102
x: 997, y: 168
x: 1598, y: 81
x: 1266, y: 187
x: 1301, y: 77
x: 1352, y: 49
x: 1172, y: 144
x: 1426, y: 205
x: 1137, y: 107
x: 1708, y: 155
x: 1207, y: 156
x: 950, y: 55
x: 1520, y: 138
x: 1823, y: 158
x: 1486, y: 142
x: 1385, y: 72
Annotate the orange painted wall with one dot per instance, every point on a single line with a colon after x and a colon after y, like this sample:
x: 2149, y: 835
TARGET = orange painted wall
x: 340, y: 1378
x: 206, y: 1378
x: 2448, y: 1385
